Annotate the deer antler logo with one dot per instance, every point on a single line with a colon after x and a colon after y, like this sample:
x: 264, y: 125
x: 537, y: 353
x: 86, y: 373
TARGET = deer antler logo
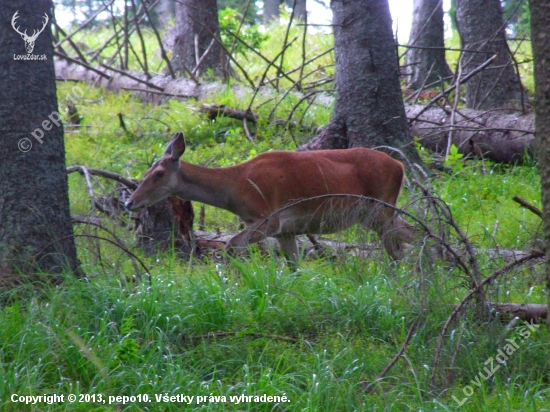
x: 29, y: 40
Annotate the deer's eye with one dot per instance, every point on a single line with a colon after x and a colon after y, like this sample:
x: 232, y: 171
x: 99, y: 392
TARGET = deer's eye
x: 158, y: 174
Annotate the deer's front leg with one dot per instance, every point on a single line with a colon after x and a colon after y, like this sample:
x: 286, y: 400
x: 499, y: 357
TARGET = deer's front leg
x: 254, y: 233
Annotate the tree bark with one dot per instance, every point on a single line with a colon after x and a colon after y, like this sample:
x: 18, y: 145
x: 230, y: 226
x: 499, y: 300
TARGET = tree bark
x: 196, y: 26
x: 502, y: 137
x: 529, y: 312
x: 164, y: 12
x: 482, y: 31
x: 300, y: 9
x: 271, y: 11
x: 165, y: 225
x: 35, y: 224
x: 540, y: 39
x: 426, y: 31
x: 369, y: 108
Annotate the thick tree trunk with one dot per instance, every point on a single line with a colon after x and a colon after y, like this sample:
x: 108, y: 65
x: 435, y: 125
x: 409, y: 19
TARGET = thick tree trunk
x: 35, y: 224
x: 482, y: 31
x: 165, y: 11
x: 502, y: 137
x: 426, y: 31
x: 196, y: 26
x: 540, y: 39
x: 369, y: 108
x: 271, y: 10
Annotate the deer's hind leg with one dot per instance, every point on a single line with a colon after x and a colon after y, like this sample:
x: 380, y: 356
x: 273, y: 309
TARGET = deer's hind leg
x: 393, y: 232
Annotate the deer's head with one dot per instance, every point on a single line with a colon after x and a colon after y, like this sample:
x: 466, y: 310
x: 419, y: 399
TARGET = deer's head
x: 29, y: 40
x: 162, y: 179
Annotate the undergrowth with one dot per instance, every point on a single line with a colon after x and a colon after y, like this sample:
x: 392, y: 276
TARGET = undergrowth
x: 320, y: 336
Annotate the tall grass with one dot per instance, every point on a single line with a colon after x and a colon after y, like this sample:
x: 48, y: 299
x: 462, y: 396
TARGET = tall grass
x: 320, y: 336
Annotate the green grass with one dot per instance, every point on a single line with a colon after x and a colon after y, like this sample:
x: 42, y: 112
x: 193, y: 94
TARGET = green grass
x: 320, y: 336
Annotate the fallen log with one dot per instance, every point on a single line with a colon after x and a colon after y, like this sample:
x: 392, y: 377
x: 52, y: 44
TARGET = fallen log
x: 213, y: 111
x: 156, y: 89
x: 500, y: 136
x: 496, y: 135
x: 529, y: 312
x: 217, y: 241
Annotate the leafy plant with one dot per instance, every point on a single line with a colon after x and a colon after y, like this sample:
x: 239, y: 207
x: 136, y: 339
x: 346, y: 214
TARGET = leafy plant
x: 454, y: 159
x: 127, y: 348
x: 230, y: 21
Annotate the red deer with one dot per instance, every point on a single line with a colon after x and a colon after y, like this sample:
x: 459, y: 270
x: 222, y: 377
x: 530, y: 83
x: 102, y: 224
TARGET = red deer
x: 295, y: 185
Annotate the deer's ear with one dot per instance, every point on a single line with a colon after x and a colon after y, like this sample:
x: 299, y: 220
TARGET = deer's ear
x: 176, y: 146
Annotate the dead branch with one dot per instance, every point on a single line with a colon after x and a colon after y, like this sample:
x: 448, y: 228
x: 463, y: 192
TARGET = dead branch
x: 287, y: 32
x: 117, y: 32
x: 220, y: 43
x: 271, y: 63
x: 239, y: 334
x: 249, y: 135
x: 83, y: 25
x: 201, y: 59
x: 140, y: 36
x: 95, y: 221
x: 524, y: 203
x: 234, y: 44
x: 121, y: 247
x: 83, y: 64
x: 459, y: 308
x: 457, y: 97
x: 257, y: 89
x: 214, y: 111
x: 451, y: 88
x: 298, y: 68
x: 180, y: 96
x: 402, y: 349
x: 73, y: 45
x: 130, y: 184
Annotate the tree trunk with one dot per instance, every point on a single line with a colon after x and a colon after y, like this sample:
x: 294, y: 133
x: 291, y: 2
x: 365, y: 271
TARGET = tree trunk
x: 369, y: 108
x: 540, y: 39
x: 482, y: 29
x: 271, y: 11
x: 35, y: 224
x: 164, y: 12
x: 426, y: 31
x: 166, y: 225
x: 300, y: 9
x: 196, y: 26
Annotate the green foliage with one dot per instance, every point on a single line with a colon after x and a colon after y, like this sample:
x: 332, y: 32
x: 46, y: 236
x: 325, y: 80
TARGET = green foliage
x: 230, y: 20
x: 320, y: 336
x: 454, y: 159
x: 240, y: 6
x: 127, y: 348
x: 518, y: 15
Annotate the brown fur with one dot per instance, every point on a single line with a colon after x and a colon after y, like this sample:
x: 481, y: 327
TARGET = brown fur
x: 255, y: 189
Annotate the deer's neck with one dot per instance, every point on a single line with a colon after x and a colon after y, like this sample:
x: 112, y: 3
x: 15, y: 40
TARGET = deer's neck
x: 212, y: 186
